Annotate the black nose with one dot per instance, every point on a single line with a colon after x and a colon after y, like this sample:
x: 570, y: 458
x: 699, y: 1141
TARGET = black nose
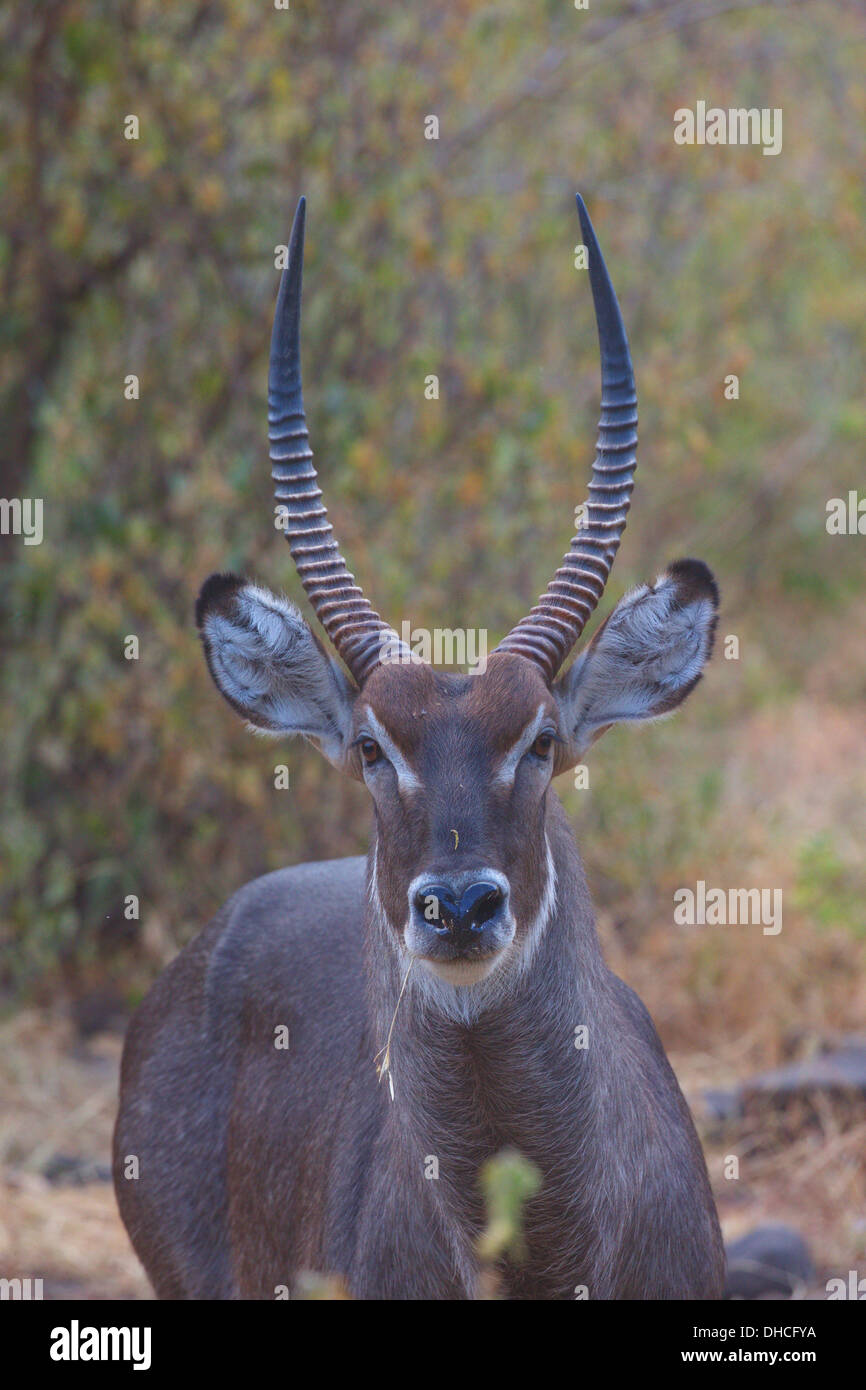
x: 438, y: 905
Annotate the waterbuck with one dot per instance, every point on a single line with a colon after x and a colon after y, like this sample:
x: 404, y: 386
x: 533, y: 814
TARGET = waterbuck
x: 317, y: 1079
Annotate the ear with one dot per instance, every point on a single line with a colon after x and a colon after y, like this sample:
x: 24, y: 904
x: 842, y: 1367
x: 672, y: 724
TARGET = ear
x: 645, y: 658
x: 266, y: 662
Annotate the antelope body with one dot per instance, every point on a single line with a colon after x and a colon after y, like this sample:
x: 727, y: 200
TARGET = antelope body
x: 462, y: 954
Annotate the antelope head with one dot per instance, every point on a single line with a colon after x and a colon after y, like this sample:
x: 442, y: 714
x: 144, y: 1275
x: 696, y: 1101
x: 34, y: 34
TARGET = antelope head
x: 459, y: 767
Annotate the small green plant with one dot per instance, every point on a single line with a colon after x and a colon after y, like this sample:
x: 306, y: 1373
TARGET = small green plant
x: 508, y: 1181
x: 829, y: 890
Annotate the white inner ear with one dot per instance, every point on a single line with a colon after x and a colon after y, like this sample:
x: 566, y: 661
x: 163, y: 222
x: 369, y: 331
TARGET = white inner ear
x: 641, y: 664
x: 265, y: 661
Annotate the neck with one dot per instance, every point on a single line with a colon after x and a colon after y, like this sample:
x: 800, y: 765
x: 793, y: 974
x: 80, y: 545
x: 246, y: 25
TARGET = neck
x: 486, y: 1067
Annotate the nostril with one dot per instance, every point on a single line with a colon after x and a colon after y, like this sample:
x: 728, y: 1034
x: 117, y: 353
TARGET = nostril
x: 438, y: 906
x: 478, y: 904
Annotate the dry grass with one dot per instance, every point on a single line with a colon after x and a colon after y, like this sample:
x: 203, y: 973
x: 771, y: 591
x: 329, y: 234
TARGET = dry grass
x: 58, y: 1097
x: 815, y: 1181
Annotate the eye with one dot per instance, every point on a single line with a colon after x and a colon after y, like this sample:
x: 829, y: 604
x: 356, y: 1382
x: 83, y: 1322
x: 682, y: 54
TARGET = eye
x: 370, y: 751
x: 542, y: 745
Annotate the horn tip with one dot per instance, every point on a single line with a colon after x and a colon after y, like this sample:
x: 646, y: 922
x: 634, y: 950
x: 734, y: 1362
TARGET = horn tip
x: 299, y: 220
x: 585, y: 223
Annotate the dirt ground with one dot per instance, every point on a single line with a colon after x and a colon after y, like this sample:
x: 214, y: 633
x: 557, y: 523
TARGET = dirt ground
x: 58, y: 1098
x: 59, y: 1221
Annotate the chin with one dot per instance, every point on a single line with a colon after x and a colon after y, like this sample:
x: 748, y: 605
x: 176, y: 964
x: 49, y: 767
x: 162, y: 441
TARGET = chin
x: 463, y: 972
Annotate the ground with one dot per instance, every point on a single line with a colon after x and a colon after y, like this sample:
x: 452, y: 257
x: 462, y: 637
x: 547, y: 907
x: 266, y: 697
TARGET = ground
x: 58, y: 1099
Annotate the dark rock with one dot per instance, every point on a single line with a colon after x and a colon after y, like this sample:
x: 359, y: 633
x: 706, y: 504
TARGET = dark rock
x: 797, y: 1096
x: 842, y: 1071
x: 771, y: 1261
x: 72, y: 1170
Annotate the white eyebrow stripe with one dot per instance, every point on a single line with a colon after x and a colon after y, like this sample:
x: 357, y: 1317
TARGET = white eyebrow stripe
x: 508, y: 767
x: 406, y: 778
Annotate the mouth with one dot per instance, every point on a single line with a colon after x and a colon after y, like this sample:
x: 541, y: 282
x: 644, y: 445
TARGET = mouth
x: 463, y: 970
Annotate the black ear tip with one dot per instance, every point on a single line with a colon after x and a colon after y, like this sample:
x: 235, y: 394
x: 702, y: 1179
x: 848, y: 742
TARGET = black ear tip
x: 216, y: 591
x: 694, y: 580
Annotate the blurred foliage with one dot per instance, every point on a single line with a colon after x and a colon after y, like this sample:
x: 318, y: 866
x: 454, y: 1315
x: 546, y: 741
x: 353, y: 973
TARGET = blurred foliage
x: 508, y: 1181
x: 827, y: 889
x: 156, y: 257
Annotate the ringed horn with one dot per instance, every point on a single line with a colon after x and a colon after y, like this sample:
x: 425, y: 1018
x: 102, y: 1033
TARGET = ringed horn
x: 358, y: 633
x: 550, y: 630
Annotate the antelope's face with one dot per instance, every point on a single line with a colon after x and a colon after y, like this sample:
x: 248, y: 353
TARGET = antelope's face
x: 458, y: 766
